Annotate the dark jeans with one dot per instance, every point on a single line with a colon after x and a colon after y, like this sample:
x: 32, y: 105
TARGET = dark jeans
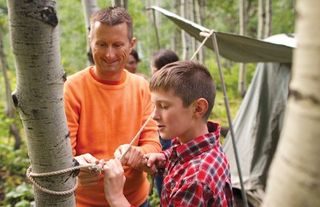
x: 145, y: 204
x: 159, y: 178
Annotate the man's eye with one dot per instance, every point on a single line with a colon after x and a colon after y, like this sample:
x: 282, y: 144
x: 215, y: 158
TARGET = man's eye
x: 101, y: 44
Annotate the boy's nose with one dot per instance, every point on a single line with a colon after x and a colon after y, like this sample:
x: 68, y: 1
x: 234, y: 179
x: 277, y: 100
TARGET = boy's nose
x: 155, y: 115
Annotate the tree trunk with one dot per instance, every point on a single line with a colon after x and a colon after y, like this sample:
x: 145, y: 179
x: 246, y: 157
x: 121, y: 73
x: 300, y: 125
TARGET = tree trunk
x: 294, y: 178
x: 242, y: 31
x: 185, y: 38
x: 261, y: 19
x: 121, y: 3
x: 89, y: 7
x: 176, y: 40
x: 39, y: 96
x: 9, y: 108
x: 201, y: 17
x: 268, y: 23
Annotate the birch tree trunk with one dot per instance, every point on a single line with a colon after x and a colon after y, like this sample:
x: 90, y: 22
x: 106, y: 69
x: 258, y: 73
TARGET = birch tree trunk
x: 89, y: 7
x: 176, y: 40
x: 261, y: 19
x: 242, y: 31
x: 294, y: 178
x: 9, y: 108
x: 201, y: 10
x: 185, y: 38
x: 268, y: 23
x: 121, y: 3
x: 39, y: 95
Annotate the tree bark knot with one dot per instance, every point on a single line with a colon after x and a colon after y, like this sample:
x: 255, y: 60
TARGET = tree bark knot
x: 45, y: 14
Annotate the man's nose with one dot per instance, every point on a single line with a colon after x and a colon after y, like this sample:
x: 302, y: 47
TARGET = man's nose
x: 109, y: 53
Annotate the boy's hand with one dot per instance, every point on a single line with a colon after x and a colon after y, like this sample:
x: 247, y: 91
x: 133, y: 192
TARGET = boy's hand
x: 114, y: 180
x: 133, y: 158
x: 154, y: 161
x: 86, y: 176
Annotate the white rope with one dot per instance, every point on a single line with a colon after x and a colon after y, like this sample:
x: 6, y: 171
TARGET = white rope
x: 207, y: 35
x: 31, y: 175
x: 137, y: 135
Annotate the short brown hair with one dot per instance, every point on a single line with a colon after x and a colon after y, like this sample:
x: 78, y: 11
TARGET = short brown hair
x: 113, y: 16
x: 188, y: 80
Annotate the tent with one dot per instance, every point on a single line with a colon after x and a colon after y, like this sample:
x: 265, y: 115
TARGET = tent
x: 258, y: 122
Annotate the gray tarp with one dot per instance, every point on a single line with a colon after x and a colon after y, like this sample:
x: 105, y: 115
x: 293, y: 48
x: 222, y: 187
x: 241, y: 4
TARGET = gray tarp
x: 257, y: 127
x: 234, y: 47
x: 258, y: 123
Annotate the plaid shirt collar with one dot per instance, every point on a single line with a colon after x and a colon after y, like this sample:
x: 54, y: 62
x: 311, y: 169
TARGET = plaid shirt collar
x: 196, y: 146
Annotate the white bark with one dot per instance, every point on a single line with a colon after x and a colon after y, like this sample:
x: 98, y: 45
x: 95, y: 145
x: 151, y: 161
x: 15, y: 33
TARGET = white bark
x: 185, y: 8
x: 39, y: 95
x: 121, y: 3
x: 9, y: 108
x: 89, y: 7
x: 295, y: 173
x: 242, y: 31
x: 268, y: 25
x: 261, y: 19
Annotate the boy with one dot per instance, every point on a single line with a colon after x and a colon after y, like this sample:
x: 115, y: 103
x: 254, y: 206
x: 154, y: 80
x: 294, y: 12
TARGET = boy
x: 195, y: 168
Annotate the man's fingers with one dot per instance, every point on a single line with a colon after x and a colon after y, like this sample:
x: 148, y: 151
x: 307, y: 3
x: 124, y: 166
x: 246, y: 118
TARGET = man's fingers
x: 89, y: 158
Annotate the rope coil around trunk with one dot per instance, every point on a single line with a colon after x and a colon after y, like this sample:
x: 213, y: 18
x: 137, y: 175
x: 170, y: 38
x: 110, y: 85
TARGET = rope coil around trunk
x: 31, y: 175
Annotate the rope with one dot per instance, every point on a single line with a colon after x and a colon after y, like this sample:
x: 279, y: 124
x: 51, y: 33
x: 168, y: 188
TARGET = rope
x: 31, y: 175
x: 202, y: 43
x: 137, y: 135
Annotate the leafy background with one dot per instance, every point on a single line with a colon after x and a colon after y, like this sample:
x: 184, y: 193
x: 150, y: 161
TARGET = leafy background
x: 222, y: 16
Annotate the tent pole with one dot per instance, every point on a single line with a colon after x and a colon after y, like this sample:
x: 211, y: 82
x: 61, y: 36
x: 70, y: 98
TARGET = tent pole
x: 226, y: 102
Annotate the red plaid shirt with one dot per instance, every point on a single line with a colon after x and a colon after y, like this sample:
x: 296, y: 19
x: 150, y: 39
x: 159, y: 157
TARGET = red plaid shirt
x: 197, y: 173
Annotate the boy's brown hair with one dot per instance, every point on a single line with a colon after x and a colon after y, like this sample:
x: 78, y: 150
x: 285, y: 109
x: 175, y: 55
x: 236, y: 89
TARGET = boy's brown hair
x: 188, y: 80
x: 113, y: 16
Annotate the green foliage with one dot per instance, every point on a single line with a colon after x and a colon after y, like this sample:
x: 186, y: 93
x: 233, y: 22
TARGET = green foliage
x: 73, y: 38
x: 14, y: 191
x: 21, y: 196
x: 220, y: 15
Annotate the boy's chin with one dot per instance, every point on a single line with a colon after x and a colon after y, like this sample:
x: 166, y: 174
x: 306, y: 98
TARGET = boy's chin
x: 164, y: 136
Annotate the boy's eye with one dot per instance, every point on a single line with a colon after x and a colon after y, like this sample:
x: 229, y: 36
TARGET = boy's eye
x: 163, y: 106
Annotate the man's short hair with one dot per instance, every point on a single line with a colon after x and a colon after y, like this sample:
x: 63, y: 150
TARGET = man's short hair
x: 113, y: 16
x: 188, y: 80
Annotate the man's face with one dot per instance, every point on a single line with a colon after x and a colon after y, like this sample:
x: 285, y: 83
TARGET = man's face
x: 173, y: 119
x: 110, y: 49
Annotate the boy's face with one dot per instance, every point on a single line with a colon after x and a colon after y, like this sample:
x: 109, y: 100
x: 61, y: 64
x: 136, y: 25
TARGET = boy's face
x: 173, y: 119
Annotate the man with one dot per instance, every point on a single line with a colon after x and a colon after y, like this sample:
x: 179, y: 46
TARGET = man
x: 106, y: 106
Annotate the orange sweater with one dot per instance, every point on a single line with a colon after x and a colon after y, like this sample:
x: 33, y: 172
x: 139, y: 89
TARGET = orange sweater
x: 103, y: 116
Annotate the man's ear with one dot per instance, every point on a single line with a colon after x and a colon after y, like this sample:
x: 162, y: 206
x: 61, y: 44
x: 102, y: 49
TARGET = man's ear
x: 133, y: 43
x: 200, y: 107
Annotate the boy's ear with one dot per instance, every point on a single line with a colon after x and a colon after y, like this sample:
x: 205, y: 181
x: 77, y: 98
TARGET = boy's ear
x: 200, y: 107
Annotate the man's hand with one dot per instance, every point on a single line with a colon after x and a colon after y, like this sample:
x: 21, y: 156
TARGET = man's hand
x: 86, y: 176
x: 133, y: 158
x: 153, y: 162
x: 114, y: 180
